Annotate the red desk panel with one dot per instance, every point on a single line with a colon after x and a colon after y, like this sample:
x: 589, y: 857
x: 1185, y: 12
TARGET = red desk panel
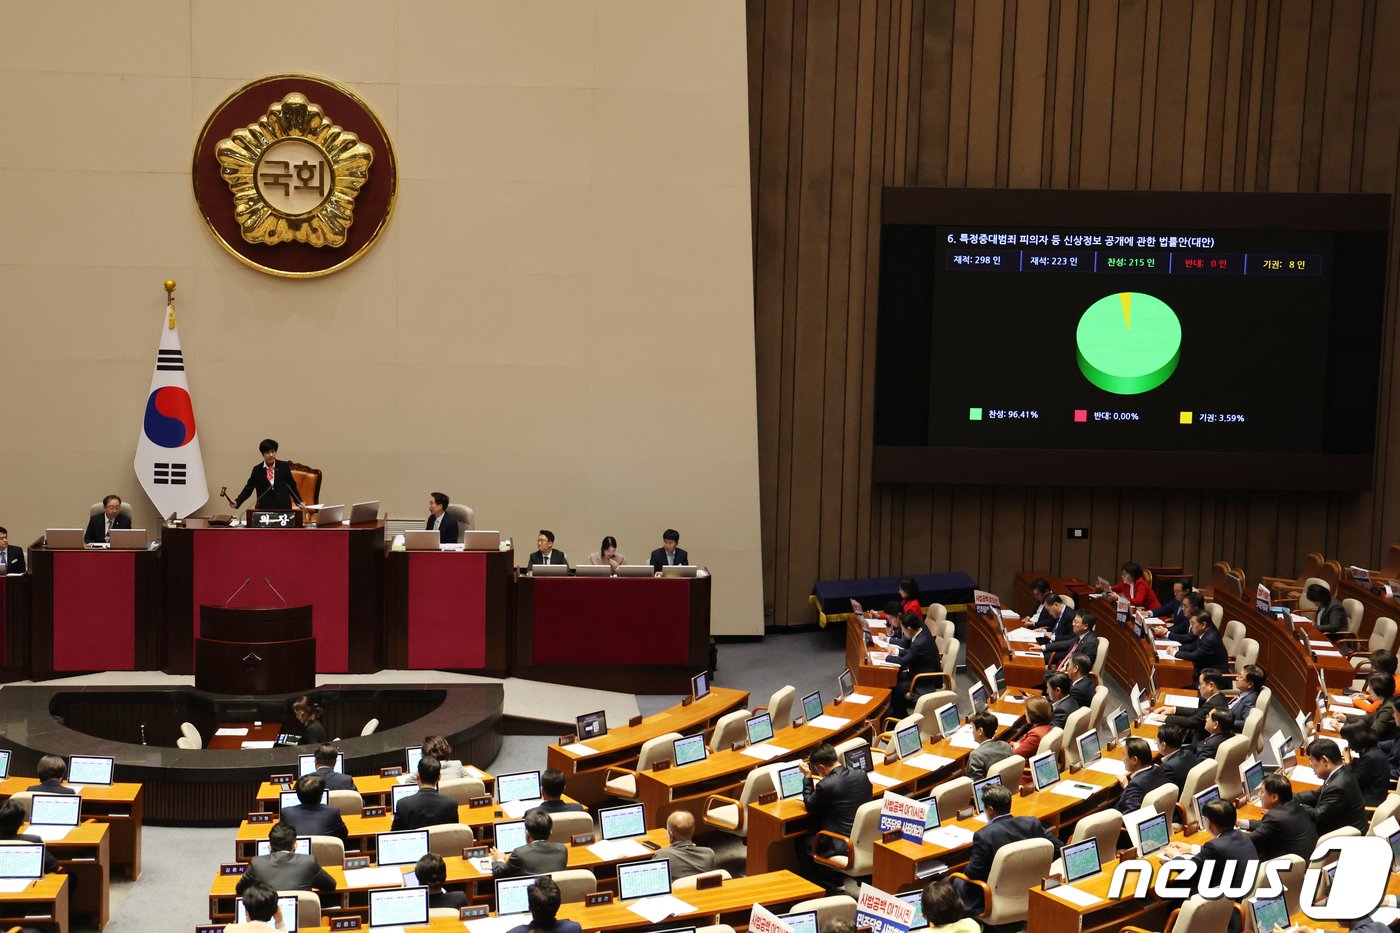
x: 448, y: 610
x: 94, y: 611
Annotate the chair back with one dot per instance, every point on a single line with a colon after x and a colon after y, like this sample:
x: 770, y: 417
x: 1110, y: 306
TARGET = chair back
x: 1103, y: 827
x: 952, y: 796
x: 1303, y: 601
x: 308, y: 480
x: 757, y: 782
x: 1254, y: 730
x: 1247, y: 654
x: 462, y: 790
x: 1068, y: 600
x: 780, y: 707
x: 1199, y: 915
x: 568, y: 824
x: 689, y: 882
x: 449, y: 839
x: 1266, y: 699
x: 936, y: 612
x: 925, y: 705
x: 1201, y: 776
x: 728, y: 730
x: 1228, y: 758
x: 1098, y: 707
x: 1100, y: 656
x: 715, y: 928
x: 1354, y: 611
x: 348, y: 802
x: 1216, y: 613
x: 1009, y: 769
x: 466, y: 520
x: 1016, y: 868
x: 1382, y: 635
x: 657, y: 749
x: 1234, y: 632
x: 370, y: 726
x: 186, y: 742
x: 327, y: 850
x: 308, y: 908
x: 835, y: 907
x: 1075, y: 726
x: 1053, y: 741
x: 1389, y: 806
x: 865, y: 832
x: 444, y: 913
x: 574, y: 884
x: 188, y: 730
x: 942, y: 634
x: 1292, y: 877
x: 1163, y: 800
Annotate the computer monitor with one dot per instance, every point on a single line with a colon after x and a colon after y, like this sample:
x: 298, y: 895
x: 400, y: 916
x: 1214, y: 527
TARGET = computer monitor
x: 790, y: 780
x: 361, y: 512
x: 411, y: 754
x: 932, y: 819
x: 688, y: 750
x: 302, y: 846
x: 1089, y: 749
x: 978, y: 787
x: 977, y: 697
x: 1150, y: 832
x: 908, y: 741
x: 511, y: 897
x: 55, y: 809
x: 996, y: 678
x: 915, y: 899
x: 624, y: 822
x: 1045, y: 770
x: 759, y: 728
x: 804, y: 922
x: 1202, y: 798
x: 812, y: 705
x: 90, y: 769
x: 1269, y: 912
x: 947, y: 719
x: 591, y: 725
x: 307, y: 763
x: 846, y: 683
x: 519, y: 785
x: 1120, y: 722
x: 1252, y: 776
x: 289, y: 798
x: 1389, y: 830
x: 398, y: 907
x: 401, y: 848
x: 700, y: 685
x: 287, y: 903
x: 1081, y: 860
x: 510, y: 835
x: 4, y: 764
x: 399, y: 793
x: 22, y: 860
x: 858, y: 759
x: 643, y: 879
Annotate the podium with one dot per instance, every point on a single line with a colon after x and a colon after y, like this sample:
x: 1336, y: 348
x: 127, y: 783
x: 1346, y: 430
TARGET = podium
x: 254, y: 652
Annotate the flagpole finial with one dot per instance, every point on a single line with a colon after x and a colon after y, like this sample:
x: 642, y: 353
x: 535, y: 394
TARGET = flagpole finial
x: 169, y: 287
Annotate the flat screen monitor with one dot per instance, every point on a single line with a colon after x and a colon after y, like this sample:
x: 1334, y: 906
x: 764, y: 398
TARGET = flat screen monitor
x: 401, y: 848
x: 399, y: 793
x: 90, y: 769
x: 812, y: 705
x: 55, y: 809
x: 288, y: 798
x: 947, y: 719
x: 643, y: 879
x: 689, y: 749
x: 1152, y: 833
x: 624, y: 822
x: 519, y: 785
x: 978, y: 787
x: 4, y: 764
x: 790, y: 781
x: 1081, y: 860
x: 759, y: 728
x: 1120, y: 722
x: 1204, y: 797
x: 804, y: 922
x: 511, y: 897
x: 510, y: 835
x: 1089, y: 749
x: 996, y: 678
x: 591, y: 725
x: 286, y: 903
x: 22, y: 860
x: 411, y: 754
x: 846, y: 683
x: 977, y: 698
x: 1045, y: 770
x: 915, y: 899
x: 858, y: 759
x: 1269, y: 912
x: 302, y: 846
x: 307, y: 763
x: 932, y: 819
x: 398, y: 908
x: 907, y: 741
x: 1252, y: 776
x: 700, y: 686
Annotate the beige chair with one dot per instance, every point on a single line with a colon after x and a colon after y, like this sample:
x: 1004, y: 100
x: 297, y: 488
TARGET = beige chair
x: 928, y: 728
x: 1163, y: 800
x: 96, y: 509
x: 860, y: 844
x: 952, y: 796
x: 188, y: 731
x: 1009, y: 769
x: 1354, y: 611
x: 328, y: 850
x: 1292, y: 877
x: 1247, y: 654
x: 946, y: 679
x: 779, y: 707
x: 1197, y: 915
x: 689, y: 882
x: 1303, y: 601
x: 348, y: 802
x: 730, y: 815
x: 850, y: 745
x: 466, y: 520
x: 622, y: 782
x: 568, y: 824
x: 450, y: 839
x: 1068, y: 600
x: 1232, y: 636
x: 443, y: 913
x: 885, y: 748
x: 462, y: 790
x: 715, y: 928
x: 1382, y: 637
x: 1098, y: 707
x: 1228, y: 758
x: 308, y: 908
x: 1103, y: 827
x: 1254, y: 730
x: 369, y: 728
x: 835, y: 907
x: 1266, y: 700
x: 187, y: 743
x: 936, y: 612
x: 1016, y: 868
x: 1201, y: 776
x: 728, y: 730
x: 943, y: 632
x: 1054, y: 741
x: 1100, y: 657
x: 574, y: 884
x: 1217, y: 613
x: 1332, y: 856
x: 1075, y: 725
x: 1389, y: 806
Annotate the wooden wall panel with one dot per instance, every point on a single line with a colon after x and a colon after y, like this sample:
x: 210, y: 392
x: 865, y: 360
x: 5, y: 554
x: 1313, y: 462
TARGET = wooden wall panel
x: 847, y: 96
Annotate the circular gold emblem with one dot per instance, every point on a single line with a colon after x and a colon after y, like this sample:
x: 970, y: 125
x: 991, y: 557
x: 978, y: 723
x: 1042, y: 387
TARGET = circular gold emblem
x: 295, y: 175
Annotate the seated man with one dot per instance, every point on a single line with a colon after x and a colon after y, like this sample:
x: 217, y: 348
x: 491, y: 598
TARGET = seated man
x: 1177, y: 627
x: 1082, y: 681
x: 101, y: 524
x: 1249, y: 682
x: 283, y: 869
x: 1178, y: 757
x: 1226, y: 859
x: 11, y: 555
x: 539, y: 856
x: 1338, y: 802
x: 325, y: 757
x: 427, y: 807
x: 439, y: 519
x: 1193, y: 723
x: 544, y: 899
x: 670, y: 554
x: 1040, y: 591
x: 989, y: 750
x: 918, y: 656
x: 1219, y: 727
x: 1207, y: 649
x: 685, y: 856
x: 832, y: 793
x: 545, y: 552
x: 1286, y: 829
x: 51, y: 770
x: 1001, y: 828
x: 1172, y: 608
x: 264, y: 913
x: 311, y: 817
x: 1084, y: 641
x: 431, y: 872
x: 12, y: 817
x: 1142, y: 778
x: 1061, y: 703
x: 551, y: 790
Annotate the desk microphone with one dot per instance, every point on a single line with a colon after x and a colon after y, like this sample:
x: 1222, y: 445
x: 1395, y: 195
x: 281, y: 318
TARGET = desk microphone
x: 245, y: 582
x: 274, y: 590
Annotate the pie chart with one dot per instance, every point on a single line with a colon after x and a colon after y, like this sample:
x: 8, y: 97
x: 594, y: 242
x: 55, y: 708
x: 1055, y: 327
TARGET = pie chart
x: 1128, y: 343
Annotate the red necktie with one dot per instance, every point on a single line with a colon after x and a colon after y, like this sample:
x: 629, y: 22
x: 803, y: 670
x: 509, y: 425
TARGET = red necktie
x: 269, y: 474
x: 1064, y: 665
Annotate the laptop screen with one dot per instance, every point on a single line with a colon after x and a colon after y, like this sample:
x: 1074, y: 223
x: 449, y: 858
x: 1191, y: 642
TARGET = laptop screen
x: 846, y: 682
x: 510, y: 835
x: 401, y: 848
x: 285, y: 903
x: 307, y: 763
x: 623, y: 822
x: 302, y: 847
x: 999, y: 678
x: 400, y: 793
x: 1253, y: 777
x: 411, y: 754
x: 22, y: 860
x: 760, y: 728
x: 812, y: 705
x: 980, y: 786
x: 947, y: 719
x: 1081, y: 860
x: 1119, y: 721
x: 932, y: 820
x: 55, y: 809
x: 858, y: 759
x: 591, y: 725
x: 511, y: 897
x: 1089, y: 749
x: 1269, y: 912
x: 915, y: 899
x: 977, y: 696
x: 1203, y: 798
x: 643, y: 879
x: 522, y: 785
x: 907, y: 741
x: 1045, y: 770
x: 789, y: 782
x: 398, y: 907
x: 1153, y: 834
x: 805, y: 922
x: 700, y: 686
x: 289, y: 798
x: 87, y: 769
x: 4, y: 764
x: 689, y: 749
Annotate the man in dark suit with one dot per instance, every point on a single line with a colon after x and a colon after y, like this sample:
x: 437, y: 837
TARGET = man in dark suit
x: 101, y: 524
x: 1286, y: 828
x: 1208, y: 648
x: 1083, y: 641
x: 1178, y: 757
x: 539, y: 856
x: 1002, y: 828
x: 1143, y: 776
x: 427, y: 807
x: 271, y: 480
x: 832, y: 793
x: 1338, y: 802
x: 1172, y: 608
x: 439, y: 519
x: 1057, y: 688
x: 544, y: 899
x: 1248, y: 682
x: 685, y: 856
x: 670, y: 553
x: 326, y: 756
x: 1177, y: 626
x: 551, y: 790
x: 283, y: 868
x: 51, y: 770
x: 545, y: 552
x: 1082, y: 684
x: 1059, y: 618
x: 431, y: 872
x: 1193, y: 724
x: 918, y: 656
x: 11, y: 555
x: 1230, y: 848
x: 12, y: 816
x: 1039, y: 617
x: 311, y: 817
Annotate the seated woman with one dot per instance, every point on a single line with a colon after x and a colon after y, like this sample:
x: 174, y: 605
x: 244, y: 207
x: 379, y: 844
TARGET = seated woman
x: 943, y: 909
x: 1220, y: 725
x: 1382, y: 662
x: 1134, y: 585
x: 435, y: 746
x: 1331, y: 615
x: 1039, y: 715
x: 607, y: 554
x: 909, y: 596
x: 1369, y: 765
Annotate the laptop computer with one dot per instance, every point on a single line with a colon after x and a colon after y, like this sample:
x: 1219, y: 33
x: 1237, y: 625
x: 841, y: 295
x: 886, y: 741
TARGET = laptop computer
x: 549, y: 570
x: 789, y: 782
x: 411, y: 754
x: 395, y: 908
x: 4, y: 764
x: 399, y: 793
x: 419, y: 539
x: 127, y: 539
x: 518, y: 785
x: 482, y: 541
x: 362, y: 512
x: 977, y: 697
x: 307, y: 763
x: 688, y: 750
x: 1120, y: 723
x: 759, y: 728
x: 302, y: 846
x: 593, y: 570
x: 1252, y: 777
x: 625, y: 822
x: 680, y: 570
x: 330, y: 516
x: 591, y: 725
x: 978, y: 787
x: 510, y: 835
x: 286, y: 903
x: 858, y: 759
x: 635, y: 570
x: 52, y: 816
x: 636, y: 880
x: 1089, y: 748
x: 288, y: 798
x: 845, y: 684
x: 915, y: 899
x: 20, y: 866
x: 511, y: 897
x: 405, y: 847
x: 1081, y: 860
x: 1201, y: 798
x: 95, y: 770
x: 64, y: 539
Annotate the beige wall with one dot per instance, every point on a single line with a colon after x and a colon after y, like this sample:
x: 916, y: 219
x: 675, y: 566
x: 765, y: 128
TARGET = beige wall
x: 573, y: 223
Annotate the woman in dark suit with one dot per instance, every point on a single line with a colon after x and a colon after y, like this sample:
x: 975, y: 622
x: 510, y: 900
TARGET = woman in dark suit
x: 308, y: 713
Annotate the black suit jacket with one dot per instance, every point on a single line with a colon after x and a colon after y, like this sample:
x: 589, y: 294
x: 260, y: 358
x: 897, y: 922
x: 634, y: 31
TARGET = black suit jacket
x: 425, y: 808
x: 1179, y: 764
x: 450, y: 899
x: 316, y: 819
x: 14, y: 559
x: 1083, y: 691
x: 1060, y: 713
x: 1139, y: 786
x: 556, y: 556
x: 1063, y: 630
x: 833, y: 801
x: 50, y: 787
x: 1372, y: 773
x: 1210, y: 745
x: 920, y: 656
x: 658, y: 558
x: 1207, y: 651
x: 1088, y: 643
x: 999, y: 832
x: 1236, y: 850
x: 1193, y: 724
x: 1338, y: 803
x: 50, y: 860
x: 335, y: 780
x: 96, y: 531
x: 1285, y: 830
x: 284, y: 488
x: 287, y: 871
x: 536, y: 857
x: 446, y: 526
x: 556, y: 806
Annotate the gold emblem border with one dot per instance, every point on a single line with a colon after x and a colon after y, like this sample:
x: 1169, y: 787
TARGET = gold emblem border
x: 393, y: 181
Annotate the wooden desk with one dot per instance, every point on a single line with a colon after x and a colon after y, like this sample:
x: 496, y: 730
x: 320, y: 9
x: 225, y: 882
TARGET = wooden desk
x: 730, y: 903
x: 85, y: 855
x: 119, y: 806
x: 583, y: 774
x: 43, y: 904
x: 1131, y: 660
x: 374, y: 789
x: 15, y: 593
x: 858, y: 659
x: 1292, y: 674
x: 449, y: 610
x: 94, y: 611
x: 264, y: 732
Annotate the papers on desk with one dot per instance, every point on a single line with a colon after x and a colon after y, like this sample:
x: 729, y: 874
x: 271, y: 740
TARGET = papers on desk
x: 829, y: 722
x: 949, y: 837
x: 387, y: 877
x: 1319, y: 643
x: 877, y: 657
x: 883, y: 780
x: 1341, y: 699
x: 656, y: 909
x: 1010, y: 698
x: 1305, y: 775
x: 858, y: 698
x: 232, y: 730
x: 497, y: 924
x: 47, y: 832
x: 1154, y: 719
x: 248, y: 744
x: 1021, y: 634
x: 928, y: 762
x: 1007, y: 719
x: 1185, y: 702
x: 1029, y: 654
x: 1327, y: 654
x: 1072, y: 789
x: 1069, y: 892
x: 578, y: 748
x: 515, y: 809
x: 962, y: 738
x: 13, y: 885
x: 475, y: 772
x: 1109, y: 766
x: 1164, y: 655
x: 1009, y: 614
x: 613, y: 850
x: 764, y: 752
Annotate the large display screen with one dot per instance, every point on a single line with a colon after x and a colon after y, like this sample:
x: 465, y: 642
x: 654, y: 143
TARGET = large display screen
x: 1131, y: 338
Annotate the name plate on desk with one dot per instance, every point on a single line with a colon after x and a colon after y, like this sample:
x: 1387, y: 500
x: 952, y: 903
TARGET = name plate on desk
x: 357, y: 862
x: 473, y: 913
x: 233, y: 868
x: 370, y: 813
x: 282, y: 779
x: 395, y: 771
x: 597, y: 899
x: 274, y: 518
x: 345, y: 923
x: 260, y: 817
x: 767, y: 797
x: 472, y: 852
x: 583, y: 839
x: 476, y: 803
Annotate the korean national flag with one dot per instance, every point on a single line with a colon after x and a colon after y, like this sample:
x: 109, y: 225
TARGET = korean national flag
x: 168, y: 463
